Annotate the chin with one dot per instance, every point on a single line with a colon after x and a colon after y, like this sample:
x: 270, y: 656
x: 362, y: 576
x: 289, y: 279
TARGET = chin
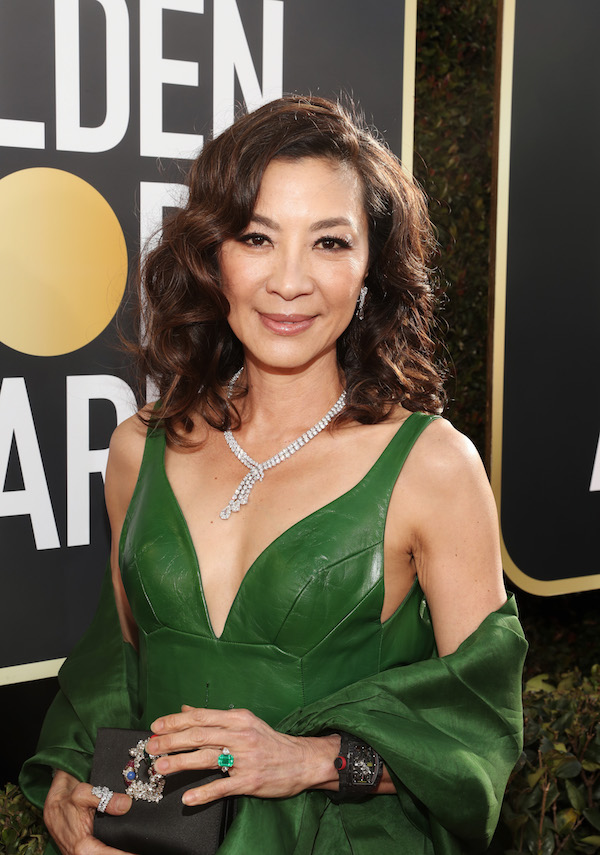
x: 290, y: 359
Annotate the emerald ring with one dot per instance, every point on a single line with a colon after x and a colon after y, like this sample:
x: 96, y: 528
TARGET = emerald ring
x: 225, y: 760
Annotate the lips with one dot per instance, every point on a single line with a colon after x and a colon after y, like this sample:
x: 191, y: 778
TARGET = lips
x: 282, y: 324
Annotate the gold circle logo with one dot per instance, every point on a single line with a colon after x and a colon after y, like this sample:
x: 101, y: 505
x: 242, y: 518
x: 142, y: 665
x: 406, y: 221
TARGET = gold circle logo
x: 63, y: 262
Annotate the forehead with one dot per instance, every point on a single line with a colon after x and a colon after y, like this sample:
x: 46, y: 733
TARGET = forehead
x: 310, y: 182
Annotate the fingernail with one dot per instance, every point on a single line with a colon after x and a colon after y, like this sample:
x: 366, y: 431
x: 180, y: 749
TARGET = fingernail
x: 157, y: 726
x: 162, y: 765
x: 186, y: 799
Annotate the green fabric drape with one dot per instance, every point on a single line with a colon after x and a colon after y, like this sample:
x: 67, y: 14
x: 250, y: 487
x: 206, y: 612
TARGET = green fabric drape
x: 97, y: 685
x: 449, y: 730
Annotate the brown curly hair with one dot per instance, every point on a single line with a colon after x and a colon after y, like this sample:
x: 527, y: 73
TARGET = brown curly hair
x: 185, y: 345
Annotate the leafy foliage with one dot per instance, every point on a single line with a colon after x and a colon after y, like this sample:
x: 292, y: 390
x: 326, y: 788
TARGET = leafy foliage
x: 563, y: 632
x: 22, y: 831
x: 551, y: 805
x: 454, y: 105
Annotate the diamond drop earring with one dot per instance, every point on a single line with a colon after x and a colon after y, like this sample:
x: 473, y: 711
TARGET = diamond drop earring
x: 360, y: 305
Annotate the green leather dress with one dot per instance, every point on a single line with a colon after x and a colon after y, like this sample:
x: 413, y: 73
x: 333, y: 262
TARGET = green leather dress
x: 305, y: 621
x: 304, y: 648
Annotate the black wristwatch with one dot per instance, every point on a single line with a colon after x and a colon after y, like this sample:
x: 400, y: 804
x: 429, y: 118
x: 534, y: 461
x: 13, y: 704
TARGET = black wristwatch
x: 359, y: 766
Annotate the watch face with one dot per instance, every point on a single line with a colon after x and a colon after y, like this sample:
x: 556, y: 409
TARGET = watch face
x: 363, y: 771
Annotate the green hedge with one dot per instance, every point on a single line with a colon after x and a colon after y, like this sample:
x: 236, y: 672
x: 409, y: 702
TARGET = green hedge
x: 551, y: 804
x: 22, y: 831
x: 454, y: 107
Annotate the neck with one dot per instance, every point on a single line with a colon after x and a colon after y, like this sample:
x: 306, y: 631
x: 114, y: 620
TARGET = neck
x: 281, y: 403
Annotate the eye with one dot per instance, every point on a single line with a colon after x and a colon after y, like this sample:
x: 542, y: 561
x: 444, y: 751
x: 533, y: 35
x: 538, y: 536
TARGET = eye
x: 253, y: 239
x: 332, y: 243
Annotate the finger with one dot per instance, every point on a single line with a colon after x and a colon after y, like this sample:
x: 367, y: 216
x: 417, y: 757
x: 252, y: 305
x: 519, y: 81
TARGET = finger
x: 84, y: 797
x: 191, y: 716
x: 211, y: 792
x: 203, y: 759
x: 190, y: 738
x: 119, y: 804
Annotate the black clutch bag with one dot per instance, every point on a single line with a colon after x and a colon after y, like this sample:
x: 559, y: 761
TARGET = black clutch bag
x: 165, y: 826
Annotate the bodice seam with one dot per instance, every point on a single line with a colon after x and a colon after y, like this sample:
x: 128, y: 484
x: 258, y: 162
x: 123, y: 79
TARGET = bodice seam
x: 376, y: 621
x: 231, y: 642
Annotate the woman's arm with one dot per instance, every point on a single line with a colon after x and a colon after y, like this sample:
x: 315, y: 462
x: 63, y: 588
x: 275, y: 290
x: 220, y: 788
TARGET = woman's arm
x: 268, y: 764
x: 444, y: 508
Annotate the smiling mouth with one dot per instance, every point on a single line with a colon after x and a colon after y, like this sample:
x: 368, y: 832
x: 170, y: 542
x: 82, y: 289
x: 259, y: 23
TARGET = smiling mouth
x: 287, y: 324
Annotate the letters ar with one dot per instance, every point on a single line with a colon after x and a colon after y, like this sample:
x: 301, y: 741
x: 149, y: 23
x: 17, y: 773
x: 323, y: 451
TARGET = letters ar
x: 17, y: 423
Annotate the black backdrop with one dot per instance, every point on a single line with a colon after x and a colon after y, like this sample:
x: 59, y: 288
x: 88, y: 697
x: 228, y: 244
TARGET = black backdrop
x: 546, y: 406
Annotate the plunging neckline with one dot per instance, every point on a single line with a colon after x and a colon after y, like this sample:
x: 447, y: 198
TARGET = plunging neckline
x: 268, y: 548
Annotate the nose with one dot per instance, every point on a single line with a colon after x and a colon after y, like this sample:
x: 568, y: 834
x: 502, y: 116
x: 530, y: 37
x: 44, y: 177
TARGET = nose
x: 290, y: 276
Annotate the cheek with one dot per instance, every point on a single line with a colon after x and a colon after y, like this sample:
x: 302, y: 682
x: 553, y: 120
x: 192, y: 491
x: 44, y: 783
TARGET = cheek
x: 232, y: 286
x: 241, y: 277
x: 230, y: 267
x: 347, y: 282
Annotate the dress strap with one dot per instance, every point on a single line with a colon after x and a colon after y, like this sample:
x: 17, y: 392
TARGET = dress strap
x: 152, y: 460
x: 154, y: 448
x: 385, y: 471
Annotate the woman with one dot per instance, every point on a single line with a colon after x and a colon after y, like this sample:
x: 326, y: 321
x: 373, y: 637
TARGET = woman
x: 353, y: 584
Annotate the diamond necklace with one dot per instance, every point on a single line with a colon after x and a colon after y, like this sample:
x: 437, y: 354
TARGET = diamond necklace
x: 257, y: 470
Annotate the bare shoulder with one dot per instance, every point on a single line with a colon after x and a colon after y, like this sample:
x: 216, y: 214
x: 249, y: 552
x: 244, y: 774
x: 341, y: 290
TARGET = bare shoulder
x: 446, y: 475
x: 443, y: 462
x: 442, y: 449
x: 130, y: 435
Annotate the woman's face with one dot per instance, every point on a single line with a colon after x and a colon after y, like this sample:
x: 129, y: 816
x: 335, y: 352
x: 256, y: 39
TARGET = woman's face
x: 293, y: 276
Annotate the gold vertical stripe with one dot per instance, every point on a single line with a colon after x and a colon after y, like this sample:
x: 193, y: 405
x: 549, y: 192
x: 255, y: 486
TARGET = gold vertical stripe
x: 502, y: 193
x: 527, y: 583
x: 31, y: 671
x: 408, y: 83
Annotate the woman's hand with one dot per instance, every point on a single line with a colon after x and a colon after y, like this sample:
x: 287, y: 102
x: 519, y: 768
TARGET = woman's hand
x: 69, y: 816
x: 267, y: 764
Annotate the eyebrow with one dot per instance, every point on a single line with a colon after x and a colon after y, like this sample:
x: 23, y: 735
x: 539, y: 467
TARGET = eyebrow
x: 330, y: 223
